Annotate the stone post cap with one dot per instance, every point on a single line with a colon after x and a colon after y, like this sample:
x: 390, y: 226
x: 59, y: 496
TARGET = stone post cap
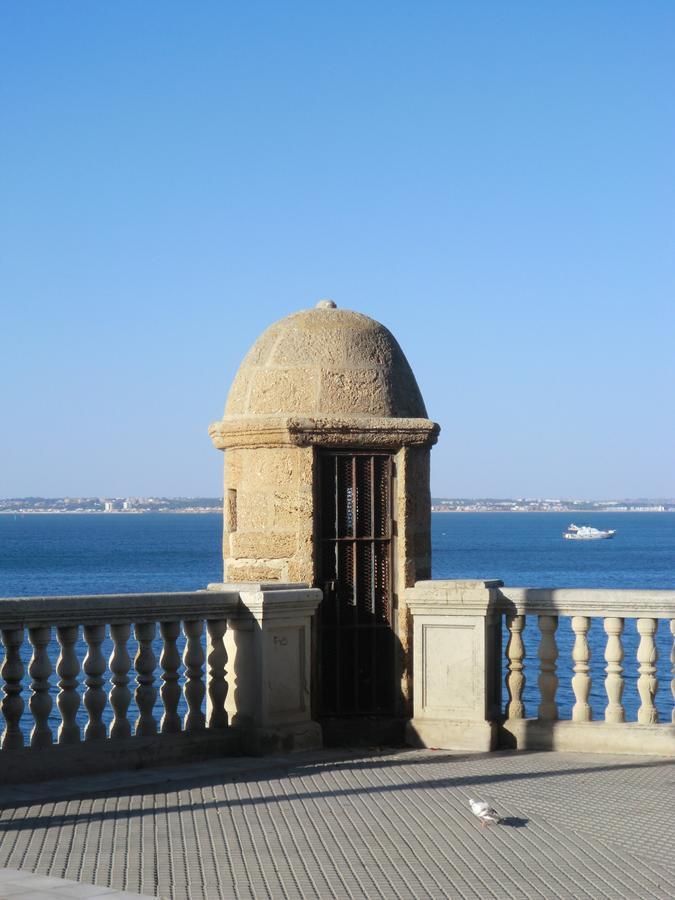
x: 267, y: 601
x: 256, y: 586
x: 459, y: 595
x: 457, y: 584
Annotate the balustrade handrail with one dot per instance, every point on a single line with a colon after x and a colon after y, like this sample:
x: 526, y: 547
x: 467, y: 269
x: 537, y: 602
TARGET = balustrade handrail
x: 622, y: 602
x: 115, y: 608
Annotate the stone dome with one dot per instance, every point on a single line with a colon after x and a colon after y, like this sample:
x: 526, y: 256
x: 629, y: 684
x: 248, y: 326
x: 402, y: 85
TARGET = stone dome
x: 325, y: 362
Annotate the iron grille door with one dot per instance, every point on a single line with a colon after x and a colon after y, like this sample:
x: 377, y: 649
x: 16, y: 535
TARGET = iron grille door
x: 356, y: 618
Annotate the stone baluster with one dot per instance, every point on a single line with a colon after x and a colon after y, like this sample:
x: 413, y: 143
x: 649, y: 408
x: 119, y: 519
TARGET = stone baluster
x: 145, y: 664
x: 68, y: 670
x: 581, y: 682
x: 39, y: 669
x: 672, y: 669
x: 515, y: 678
x: 614, y: 711
x: 12, y: 673
x: 193, y: 659
x: 548, y: 680
x: 647, y: 683
x: 170, y: 662
x: 120, y: 694
x: 217, y: 660
x: 94, y: 667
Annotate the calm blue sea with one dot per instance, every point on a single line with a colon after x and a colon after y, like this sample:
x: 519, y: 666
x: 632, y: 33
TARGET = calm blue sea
x: 81, y: 554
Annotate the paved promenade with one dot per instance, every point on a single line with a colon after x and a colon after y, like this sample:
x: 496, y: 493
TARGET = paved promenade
x: 351, y: 825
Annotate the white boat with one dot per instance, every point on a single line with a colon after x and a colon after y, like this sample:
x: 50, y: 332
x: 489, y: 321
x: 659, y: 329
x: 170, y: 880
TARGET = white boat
x: 587, y: 533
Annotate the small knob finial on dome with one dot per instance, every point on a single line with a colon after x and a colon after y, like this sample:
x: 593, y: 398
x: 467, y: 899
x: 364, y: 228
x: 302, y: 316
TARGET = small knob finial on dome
x: 326, y: 304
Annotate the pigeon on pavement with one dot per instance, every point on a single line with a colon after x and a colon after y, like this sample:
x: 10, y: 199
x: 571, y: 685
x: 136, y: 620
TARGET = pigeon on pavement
x: 485, y: 812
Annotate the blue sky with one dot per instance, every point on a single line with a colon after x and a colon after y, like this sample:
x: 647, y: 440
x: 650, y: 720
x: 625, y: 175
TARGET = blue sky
x: 494, y: 182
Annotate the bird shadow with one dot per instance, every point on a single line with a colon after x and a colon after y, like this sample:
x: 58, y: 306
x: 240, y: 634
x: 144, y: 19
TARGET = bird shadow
x: 514, y: 822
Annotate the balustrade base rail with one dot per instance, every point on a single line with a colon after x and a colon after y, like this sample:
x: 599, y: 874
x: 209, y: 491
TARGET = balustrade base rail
x: 95, y: 757
x: 591, y: 737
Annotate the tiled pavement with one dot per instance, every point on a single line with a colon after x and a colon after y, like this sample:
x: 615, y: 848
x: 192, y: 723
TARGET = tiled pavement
x: 355, y: 825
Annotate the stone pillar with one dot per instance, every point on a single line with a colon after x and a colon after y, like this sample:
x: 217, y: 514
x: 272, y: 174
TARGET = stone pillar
x: 456, y: 664
x: 269, y: 646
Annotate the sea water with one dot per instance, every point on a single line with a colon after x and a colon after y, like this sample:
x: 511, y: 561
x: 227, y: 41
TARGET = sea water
x: 47, y: 555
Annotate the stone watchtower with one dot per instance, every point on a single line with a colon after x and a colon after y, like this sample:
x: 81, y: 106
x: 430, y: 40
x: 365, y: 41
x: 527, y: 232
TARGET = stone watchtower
x: 327, y: 442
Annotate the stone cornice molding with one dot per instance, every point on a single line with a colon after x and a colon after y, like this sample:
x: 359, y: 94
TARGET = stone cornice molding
x: 279, y: 431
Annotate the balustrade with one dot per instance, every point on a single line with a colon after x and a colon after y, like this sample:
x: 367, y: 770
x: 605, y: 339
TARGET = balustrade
x: 183, y: 664
x: 95, y: 699
x: 130, y: 694
x: 465, y: 699
x: 579, y: 607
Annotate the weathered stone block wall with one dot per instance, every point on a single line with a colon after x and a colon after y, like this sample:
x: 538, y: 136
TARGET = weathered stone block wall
x: 269, y: 526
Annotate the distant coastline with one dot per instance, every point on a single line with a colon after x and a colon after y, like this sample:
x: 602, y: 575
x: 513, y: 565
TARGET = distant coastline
x: 214, y: 505
x: 573, y: 507
x: 110, y: 512
x: 577, y: 511
x: 134, y: 506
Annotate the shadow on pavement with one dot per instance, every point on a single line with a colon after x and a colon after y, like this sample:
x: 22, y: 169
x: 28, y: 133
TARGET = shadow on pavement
x: 514, y: 822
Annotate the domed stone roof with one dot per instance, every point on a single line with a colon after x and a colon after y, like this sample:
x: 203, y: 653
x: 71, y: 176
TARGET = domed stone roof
x: 325, y: 362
